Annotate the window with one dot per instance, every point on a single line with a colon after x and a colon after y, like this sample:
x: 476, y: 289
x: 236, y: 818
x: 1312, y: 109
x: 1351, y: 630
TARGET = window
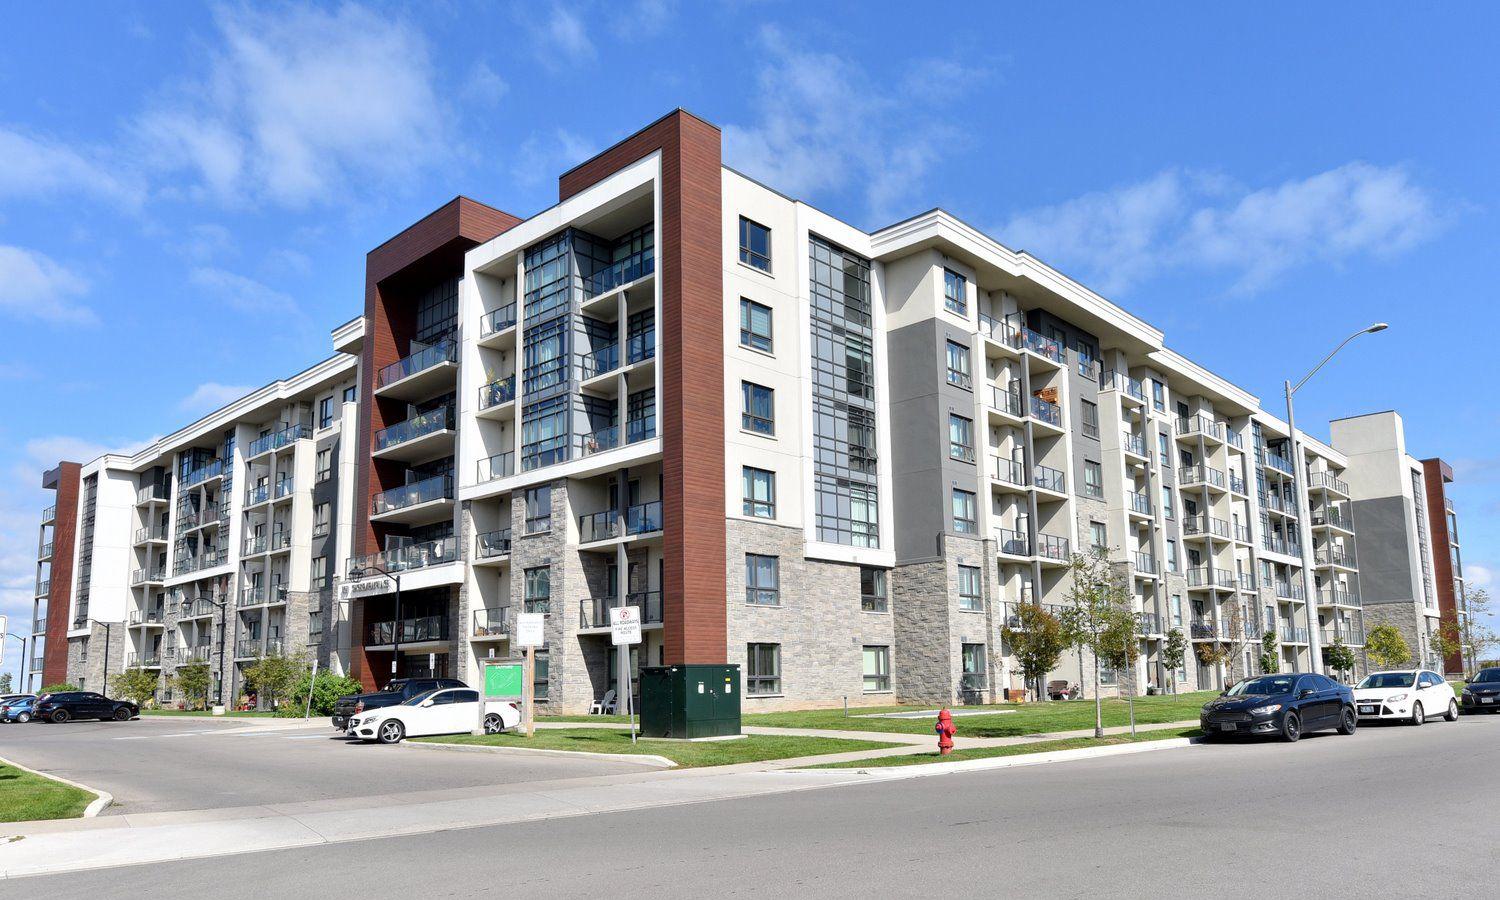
x: 762, y: 669
x: 1099, y: 535
x: 965, y: 520
x: 762, y: 580
x: 325, y: 464
x: 970, y: 596
x: 1176, y: 610
x: 1166, y: 502
x: 1090, y: 420
x: 959, y: 372
x: 877, y: 669
x: 1107, y: 673
x: 539, y: 509
x: 539, y: 678
x: 872, y: 590
x: 755, y: 244
x: 960, y: 438
x: 325, y: 412
x: 1158, y: 396
x: 319, y: 573
x: 1171, y: 555
x: 1164, y: 453
x: 1093, y: 479
x: 538, y: 597
x: 955, y: 296
x: 759, y: 413
x: 760, y: 492
x: 755, y: 325
x: 321, y: 514
x: 973, y: 662
x: 351, y: 394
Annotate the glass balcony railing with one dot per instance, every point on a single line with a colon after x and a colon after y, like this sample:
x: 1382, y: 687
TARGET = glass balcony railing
x: 403, y: 559
x: 491, y: 621
x: 635, y: 266
x: 411, y: 631
x: 1000, y: 331
x: 1202, y: 627
x: 594, y: 612
x: 1338, y: 597
x: 599, y: 440
x: 1006, y: 401
x: 203, y: 473
x: 430, y: 422
x: 498, y: 466
x: 1010, y: 471
x: 498, y: 320
x: 148, y: 493
x: 1046, y: 411
x: 1050, y: 479
x: 43, y: 587
x: 1272, y: 460
x: 1133, y: 444
x: 604, y: 359
x: 197, y: 608
x: 1145, y: 563
x: 1149, y: 623
x: 640, y: 429
x: 498, y: 392
x: 438, y: 487
x: 420, y: 361
x: 643, y: 518
x: 147, y: 616
x: 1139, y: 502
x: 255, y: 544
x: 284, y: 487
x: 145, y: 535
x: 491, y: 544
x: 1050, y: 547
x: 1293, y: 635
x: 260, y: 493
x: 278, y: 439
x: 247, y: 649
x: 1043, y: 346
x: 1111, y: 379
x: 640, y: 346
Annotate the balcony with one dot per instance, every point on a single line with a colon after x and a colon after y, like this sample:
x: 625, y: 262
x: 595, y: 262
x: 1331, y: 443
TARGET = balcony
x: 1202, y: 526
x: 1237, y: 485
x: 640, y: 429
x: 1273, y: 461
x: 1333, y: 557
x: 45, y: 552
x: 1291, y: 634
x: 1203, y: 628
x: 644, y: 518
x: 150, y: 535
x: 1206, y: 576
x: 147, y: 576
x: 404, y: 559
x: 1009, y: 472
x: 1049, y: 479
x: 420, y: 375
x: 492, y: 544
x: 149, y: 659
x: 261, y: 595
x: 146, y: 616
x: 1138, y: 503
x: 151, y: 493
x: 632, y: 268
x: 281, y: 539
x: 277, y: 440
x: 255, y: 544
x: 207, y: 472
x: 1337, y: 597
x: 1189, y: 476
x: 1046, y: 412
x: 491, y: 621
x: 500, y: 465
x: 1010, y: 616
x: 249, y: 649
x: 1149, y: 623
x: 254, y: 496
x: 1200, y: 425
x: 49, y: 515
x: 200, y: 653
x: 1327, y: 482
x: 43, y: 587
x: 420, y: 437
x: 599, y: 362
x: 1052, y: 548
x: 1004, y: 400
x: 419, y: 630
x: 496, y: 321
x: 1333, y: 517
x: 495, y: 397
x: 597, y: 441
x: 1135, y: 446
x: 594, y: 613
x: 1277, y: 503
x: 1344, y: 632
x: 1012, y: 543
x: 1043, y: 346
x: 1288, y: 590
x: 1001, y: 332
x: 1143, y: 563
x: 200, y: 608
x: 410, y: 502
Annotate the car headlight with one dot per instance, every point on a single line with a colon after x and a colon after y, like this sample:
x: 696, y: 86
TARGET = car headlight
x: 1395, y: 698
x: 1265, y: 710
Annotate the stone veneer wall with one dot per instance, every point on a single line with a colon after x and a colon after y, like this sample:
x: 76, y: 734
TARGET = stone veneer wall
x: 86, y: 657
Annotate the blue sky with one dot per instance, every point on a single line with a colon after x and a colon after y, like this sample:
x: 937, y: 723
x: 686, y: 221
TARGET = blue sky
x: 187, y: 195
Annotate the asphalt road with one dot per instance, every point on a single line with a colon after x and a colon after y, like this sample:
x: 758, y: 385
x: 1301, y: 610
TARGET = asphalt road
x: 1390, y: 812
x: 159, y: 764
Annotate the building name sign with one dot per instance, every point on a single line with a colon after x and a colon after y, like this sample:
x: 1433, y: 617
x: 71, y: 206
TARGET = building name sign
x: 365, y: 587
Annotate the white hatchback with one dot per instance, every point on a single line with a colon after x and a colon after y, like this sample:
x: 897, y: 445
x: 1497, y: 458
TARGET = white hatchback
x: 444, y: 711
x: 1413, y: 695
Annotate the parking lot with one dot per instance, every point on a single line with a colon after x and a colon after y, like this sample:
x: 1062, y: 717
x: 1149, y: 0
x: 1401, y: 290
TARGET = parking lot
x: 161, y: 764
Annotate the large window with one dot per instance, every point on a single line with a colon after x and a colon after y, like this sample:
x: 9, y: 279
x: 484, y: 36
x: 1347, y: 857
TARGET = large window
x: 970, y: 592
x: 759, y: 414
x: 640, y: 415
x: 755, y: 325
x: 760, y: 492
x: 755, y: 244
x: 762, y: 669
x: 544, y: 433
x: 1093, y: 479
x: 974, y: 669
x: 877, y: 669
x: 762, y: 580
x: 538, y: 587
x: 539, y: 509
x: 959, y: 371
x: 955, y: 298
x: 965, y: 517
x: 545, y: 356
x: 960, y: 438
x: 872, y: 590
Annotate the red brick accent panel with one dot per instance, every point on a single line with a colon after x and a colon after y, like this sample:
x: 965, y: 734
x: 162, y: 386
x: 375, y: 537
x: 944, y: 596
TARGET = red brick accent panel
x: 1436, y: 474
x: 692, y: 364
x: 60, y: 588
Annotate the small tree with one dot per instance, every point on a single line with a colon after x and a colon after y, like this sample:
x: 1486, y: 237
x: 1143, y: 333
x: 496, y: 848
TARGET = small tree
x: 1386, y: 645
x: 1174, y: 654
x: 1339, y: 657
x: 272, y: 677
x: 1270, y: 656
x: 1037, y: 642
x: 1096, y: 593
x: 136, y: 685
x: 1119, y: 645
x: 1448, y: 641
x: 325, y: 693
x: 193, y: 682
x: 4, y: 682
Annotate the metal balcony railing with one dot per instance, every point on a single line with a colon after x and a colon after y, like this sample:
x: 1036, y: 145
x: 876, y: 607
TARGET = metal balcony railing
x: 1005, y: 400
x: 1188, y: 476
x: 49, y: 514
x: 491, y: 544
x: 1139, y: 502
x: 491, y: 621
x: 1144, y: 562
x: 1206, y: 525
x: 1290, y: 590
x: 1050, y: 479
x: 1203, y: 628
x: 1291, y: 634
x: 401, y: 559
x: 594, y: 612
x: 1046, y: 411
x: 1134, y: 444
x: 498, y: 392
x: 500, y: 465
x: 1012, y: 542
x: 203, y: 473
x: 1329, y: 482
x: 1149, y: 623
x: 497, y: 320
x: 1338, y: 597
x: 1114, y: 380
x: 442, y: 352
x: 1010, y: 471
x: 1347, y: 633
x: 1331, y: 556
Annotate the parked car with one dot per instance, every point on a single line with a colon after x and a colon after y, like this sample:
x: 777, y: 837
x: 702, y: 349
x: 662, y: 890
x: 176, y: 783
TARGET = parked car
x: 61, y: 707
x: 1482, y: 692
x: 447, y: 711
x: 399, y: 690
x: 1412, y: 695
x: 21, y: 703
x: 1287, y: 706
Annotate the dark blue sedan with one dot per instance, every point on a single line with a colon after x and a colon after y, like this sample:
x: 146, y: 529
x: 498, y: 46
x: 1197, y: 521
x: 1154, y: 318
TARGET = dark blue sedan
x: 1286, y: 706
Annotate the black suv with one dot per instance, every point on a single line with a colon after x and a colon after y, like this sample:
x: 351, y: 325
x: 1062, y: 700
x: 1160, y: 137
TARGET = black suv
x: 399, y: 690
x: 61, y: 707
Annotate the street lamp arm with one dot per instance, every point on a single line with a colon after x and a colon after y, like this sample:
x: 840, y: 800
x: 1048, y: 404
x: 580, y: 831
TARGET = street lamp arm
x: 1378, y: 326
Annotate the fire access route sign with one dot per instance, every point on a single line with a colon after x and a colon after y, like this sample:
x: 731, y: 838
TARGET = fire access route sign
x: 625, y: 625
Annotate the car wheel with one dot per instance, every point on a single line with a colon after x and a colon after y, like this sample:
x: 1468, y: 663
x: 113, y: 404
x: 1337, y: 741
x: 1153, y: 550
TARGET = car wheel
x: 1417, y: 716
x: 1348, y: 721
x: 60, y: 716
x: 122, y: 715
x: 1452, y: 715
x: 390, y: 732
x: 23, y: 718
x: 1291, y: 727
x: 493, y: 724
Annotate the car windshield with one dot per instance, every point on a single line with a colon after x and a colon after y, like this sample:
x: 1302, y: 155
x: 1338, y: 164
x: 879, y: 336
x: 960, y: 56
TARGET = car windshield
x: 417, y: 700
x: 1487, y: 676
x: 1270, y: 684
x: 1388, y: 680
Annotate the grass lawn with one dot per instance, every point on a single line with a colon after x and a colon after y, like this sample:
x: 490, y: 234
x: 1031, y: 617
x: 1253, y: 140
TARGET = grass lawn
x: 755, y: 748
x: 1028, y: 718
x: 25, y: 797
x: 917, y: 759
x: 254, y: 713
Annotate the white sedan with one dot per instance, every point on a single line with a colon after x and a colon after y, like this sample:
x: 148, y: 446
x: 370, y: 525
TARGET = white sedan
x: 446, y: 711
x: 1413, y: 695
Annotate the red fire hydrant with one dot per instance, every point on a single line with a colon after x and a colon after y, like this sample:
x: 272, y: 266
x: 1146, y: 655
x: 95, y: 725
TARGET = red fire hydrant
x: 945, y: 732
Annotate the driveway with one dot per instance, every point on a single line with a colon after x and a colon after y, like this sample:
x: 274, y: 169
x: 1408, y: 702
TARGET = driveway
x: 179, y: 763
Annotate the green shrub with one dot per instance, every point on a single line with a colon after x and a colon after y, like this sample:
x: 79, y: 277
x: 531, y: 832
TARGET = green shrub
x: 57, y: 688
x: 326, y: 692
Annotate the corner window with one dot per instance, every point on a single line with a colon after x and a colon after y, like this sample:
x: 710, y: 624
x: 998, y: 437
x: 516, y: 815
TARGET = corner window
x: 760, y: 492
x: 762, y: 669
x: 762, y: 580
x: 959, y: 372
x: 755, y: 244
x: 755, y: 325
x: 970, y: 594
x: 955, y: 297
x: 965, y: 520
x: 872, y: 590
x: 877, y: 669
x: 759, y: 413
x: 960, y: 438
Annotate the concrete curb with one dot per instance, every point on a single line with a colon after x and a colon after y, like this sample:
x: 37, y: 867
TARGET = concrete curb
x: 102, y: 799
x: 919, y: 770
x: 645, y: 759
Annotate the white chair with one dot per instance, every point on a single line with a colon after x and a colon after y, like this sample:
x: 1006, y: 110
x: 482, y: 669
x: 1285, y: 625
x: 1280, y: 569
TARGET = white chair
x: 603, y: 707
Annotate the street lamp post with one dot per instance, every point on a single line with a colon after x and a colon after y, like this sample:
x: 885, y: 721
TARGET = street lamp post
x: 1304, y: 525
x: 360, y: 572
x: 107, y: 626
x: 223, y: 607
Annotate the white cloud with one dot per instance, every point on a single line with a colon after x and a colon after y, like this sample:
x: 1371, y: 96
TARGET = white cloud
x: 557, y: 35
x: 643, y: 18
x: 243, y: 294
x: 299, y: 104
x: 541, y: 156
x: 32, y: 286
x: 1479, y: 576
x: 211, y: 395
x: 484, y: 87
x: 824, y: 124
x: 40, y: 167
x: 1176, y: 219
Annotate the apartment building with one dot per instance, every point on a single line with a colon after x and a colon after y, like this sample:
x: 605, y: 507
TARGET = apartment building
x: 1408, y: 533
x: 834, y: 457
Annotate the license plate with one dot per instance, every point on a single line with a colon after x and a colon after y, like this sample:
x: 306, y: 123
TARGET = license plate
x: 1228, y: 726
x: 1486, y: 699
x: 1367, y: 710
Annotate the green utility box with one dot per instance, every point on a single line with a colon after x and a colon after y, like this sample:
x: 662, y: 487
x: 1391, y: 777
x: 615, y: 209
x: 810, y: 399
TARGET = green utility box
x: 690, y: 701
